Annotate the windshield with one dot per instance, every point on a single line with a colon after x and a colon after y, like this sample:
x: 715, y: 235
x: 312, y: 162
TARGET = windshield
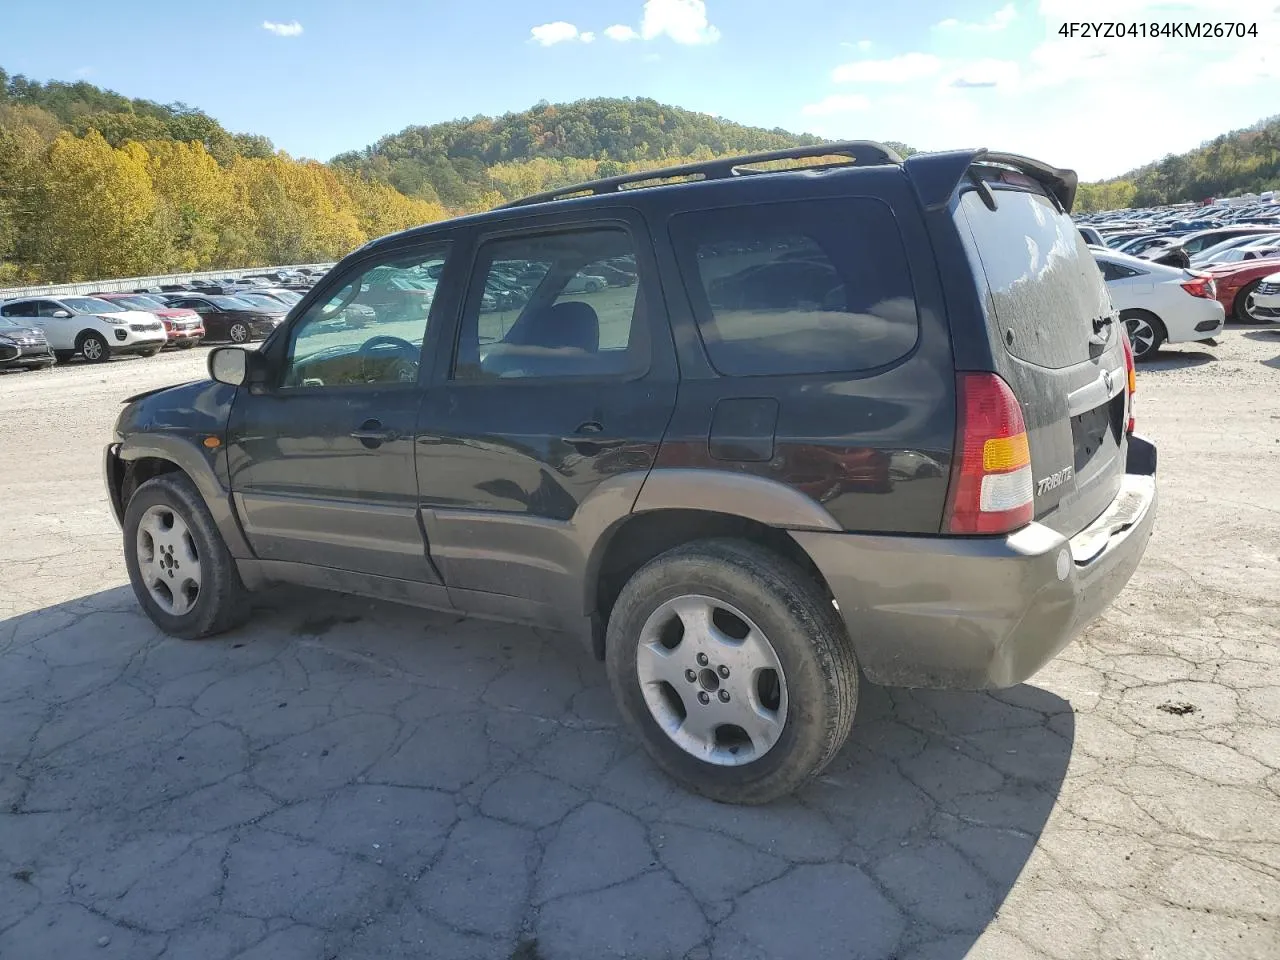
x: 91, y: 305
x: 139, y: 303
x: 258, y: 300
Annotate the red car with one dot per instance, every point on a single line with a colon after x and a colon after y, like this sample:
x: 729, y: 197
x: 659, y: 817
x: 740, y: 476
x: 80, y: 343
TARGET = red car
x: 1237, y: 281
x: 183, y: 327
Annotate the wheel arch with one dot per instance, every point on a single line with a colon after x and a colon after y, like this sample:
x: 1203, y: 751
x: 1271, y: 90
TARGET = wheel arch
x: 678, y: 505
x: 144, y: 458
x: 1162, y: 331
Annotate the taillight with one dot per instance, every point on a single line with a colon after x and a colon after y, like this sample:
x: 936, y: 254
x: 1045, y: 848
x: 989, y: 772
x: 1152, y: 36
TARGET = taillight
x: 1131, y: 376
x: 1202, y: 287
x: 991, y: 482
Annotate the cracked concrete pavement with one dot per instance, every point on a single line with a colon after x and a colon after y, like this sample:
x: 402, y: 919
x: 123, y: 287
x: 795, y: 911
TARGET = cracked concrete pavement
x: 351, y: 779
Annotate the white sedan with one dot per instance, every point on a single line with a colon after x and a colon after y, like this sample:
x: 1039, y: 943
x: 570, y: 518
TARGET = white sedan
x: 1264, y: 303
x: 1160, y: 304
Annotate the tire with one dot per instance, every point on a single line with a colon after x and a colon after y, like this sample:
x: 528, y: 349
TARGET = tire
x: 93, y: 347
x: 186, y: 344
x: 1242, y: 307
x: 1146, y: 333
x: 810, y: 691
x: 150, y: 352
x: 220, y: 600
x: 239, y: 332
x: 63, y: 356
x: 594, y: 286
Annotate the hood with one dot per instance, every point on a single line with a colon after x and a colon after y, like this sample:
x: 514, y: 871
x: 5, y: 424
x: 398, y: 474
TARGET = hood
x: 198, y: 408
x: 22, y: 332
x: 131, y: 316
x: 177, y: 313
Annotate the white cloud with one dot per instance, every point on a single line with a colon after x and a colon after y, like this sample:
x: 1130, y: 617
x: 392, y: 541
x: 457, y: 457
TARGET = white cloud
x: 986, y: 73
x: 864, y: 45
x: 684, y: 21
x: 621, y: 33
x: 903, y: 69
x: 549, y: 34
x: 835, y: 104
x: 290, y: 29
x: 999, y: 20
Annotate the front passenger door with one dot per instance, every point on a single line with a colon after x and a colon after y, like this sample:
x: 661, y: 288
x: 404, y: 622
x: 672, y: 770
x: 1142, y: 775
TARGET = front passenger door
x: 322, y: 461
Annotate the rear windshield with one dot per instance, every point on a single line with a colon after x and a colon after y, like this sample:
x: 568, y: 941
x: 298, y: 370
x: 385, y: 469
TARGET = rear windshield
x: 1045, y: 288
x: 798, y: 288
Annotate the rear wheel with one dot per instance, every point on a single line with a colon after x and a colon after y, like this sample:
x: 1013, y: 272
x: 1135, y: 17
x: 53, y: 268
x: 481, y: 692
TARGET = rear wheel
x: 62, y: 356
x: 149, y: 352
x: 238, y: 332
x: 1146, y: 333
x: 1245, y: 306
x: 179, y: 567
x: 93, y: 347
x: 734, y: 669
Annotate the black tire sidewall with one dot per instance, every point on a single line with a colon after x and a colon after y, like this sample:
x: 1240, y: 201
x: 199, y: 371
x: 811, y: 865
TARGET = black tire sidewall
x: 220, y: 587
x: 780, y: 611
x: 1241, y: 311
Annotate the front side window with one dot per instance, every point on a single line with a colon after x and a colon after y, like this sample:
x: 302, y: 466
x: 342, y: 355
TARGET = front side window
x: 370, y: 330
x: 554, y: 305
x: 800, y: 288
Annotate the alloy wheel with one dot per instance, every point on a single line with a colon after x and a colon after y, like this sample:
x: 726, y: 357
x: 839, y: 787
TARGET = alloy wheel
x: 1141, y: 335
x: 712, y: 680
x: 168, y: 560
x: 92, y: 349
x: 239, y: 333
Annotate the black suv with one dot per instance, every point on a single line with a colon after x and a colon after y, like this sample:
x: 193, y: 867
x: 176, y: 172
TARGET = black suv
x: 864, y: 417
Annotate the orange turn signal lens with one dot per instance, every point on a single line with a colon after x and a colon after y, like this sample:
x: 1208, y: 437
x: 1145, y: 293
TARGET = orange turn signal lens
x: 212, y: 443
x: 1000, y: 454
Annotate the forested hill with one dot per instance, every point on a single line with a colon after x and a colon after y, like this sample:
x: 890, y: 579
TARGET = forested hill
x: 1243, y: 161
x: 465, y: 163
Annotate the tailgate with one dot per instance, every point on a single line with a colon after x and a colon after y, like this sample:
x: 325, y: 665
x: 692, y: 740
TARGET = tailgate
x: 1056, y: 341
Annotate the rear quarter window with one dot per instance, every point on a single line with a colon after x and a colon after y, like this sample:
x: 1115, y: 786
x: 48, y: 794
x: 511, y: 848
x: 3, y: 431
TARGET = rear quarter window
x: 1045, y: 287
x: 798, y: 288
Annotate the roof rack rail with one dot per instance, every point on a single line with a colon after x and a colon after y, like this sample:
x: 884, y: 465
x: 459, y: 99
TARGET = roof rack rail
x: 858, y: 152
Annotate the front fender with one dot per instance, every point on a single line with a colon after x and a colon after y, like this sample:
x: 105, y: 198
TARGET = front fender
x: 198, y: 463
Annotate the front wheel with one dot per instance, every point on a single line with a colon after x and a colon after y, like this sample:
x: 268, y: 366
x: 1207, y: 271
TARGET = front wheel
x: 733, y: 668
x: 93, y: 347
x: 1145, y: 333
x: 149, y: 352
x: 238, y: 332
x: 179, y: 567
x: 186, y: 344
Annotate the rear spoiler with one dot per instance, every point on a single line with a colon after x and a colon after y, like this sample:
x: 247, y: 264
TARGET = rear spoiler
x: 935, y: 176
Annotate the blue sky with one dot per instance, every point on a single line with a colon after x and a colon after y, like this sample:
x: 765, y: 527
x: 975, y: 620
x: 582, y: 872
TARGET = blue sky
x: 323, y: 76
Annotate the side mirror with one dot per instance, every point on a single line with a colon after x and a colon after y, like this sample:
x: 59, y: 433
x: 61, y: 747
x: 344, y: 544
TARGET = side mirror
x: 229, y: 365
x: 61, y: 315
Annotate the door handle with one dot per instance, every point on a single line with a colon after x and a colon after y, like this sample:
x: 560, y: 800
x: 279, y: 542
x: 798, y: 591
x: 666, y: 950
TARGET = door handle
x: 589, y: 438
x: 373, y: 435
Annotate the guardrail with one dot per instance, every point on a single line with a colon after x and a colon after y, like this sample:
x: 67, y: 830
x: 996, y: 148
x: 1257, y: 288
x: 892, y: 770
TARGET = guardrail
x: 133, y: 283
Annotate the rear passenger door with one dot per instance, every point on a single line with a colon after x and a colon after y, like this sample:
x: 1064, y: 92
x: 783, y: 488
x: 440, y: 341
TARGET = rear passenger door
x: 551, y: 400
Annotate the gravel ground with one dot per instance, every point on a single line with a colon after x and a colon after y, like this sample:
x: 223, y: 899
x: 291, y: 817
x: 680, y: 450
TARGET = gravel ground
x: 353, y: 779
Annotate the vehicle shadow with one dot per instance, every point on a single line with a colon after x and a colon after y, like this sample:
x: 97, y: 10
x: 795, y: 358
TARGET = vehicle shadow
x: 1269, y: 334
x: 1168, y: 359
x: 473, y: 787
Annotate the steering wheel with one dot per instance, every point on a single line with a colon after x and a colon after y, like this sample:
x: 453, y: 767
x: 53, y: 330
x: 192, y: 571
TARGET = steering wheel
x: 405, y: 365
x: 401, y: 345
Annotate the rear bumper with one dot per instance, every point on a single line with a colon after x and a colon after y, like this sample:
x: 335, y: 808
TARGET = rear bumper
x: 975, y: 613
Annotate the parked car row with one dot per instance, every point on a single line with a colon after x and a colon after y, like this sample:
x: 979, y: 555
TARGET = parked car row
x: 1177, y: 275
x: 37, y: 332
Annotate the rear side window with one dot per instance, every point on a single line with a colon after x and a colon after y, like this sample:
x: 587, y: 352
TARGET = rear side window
x: 798, y: 288
x: 1045, y: 286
